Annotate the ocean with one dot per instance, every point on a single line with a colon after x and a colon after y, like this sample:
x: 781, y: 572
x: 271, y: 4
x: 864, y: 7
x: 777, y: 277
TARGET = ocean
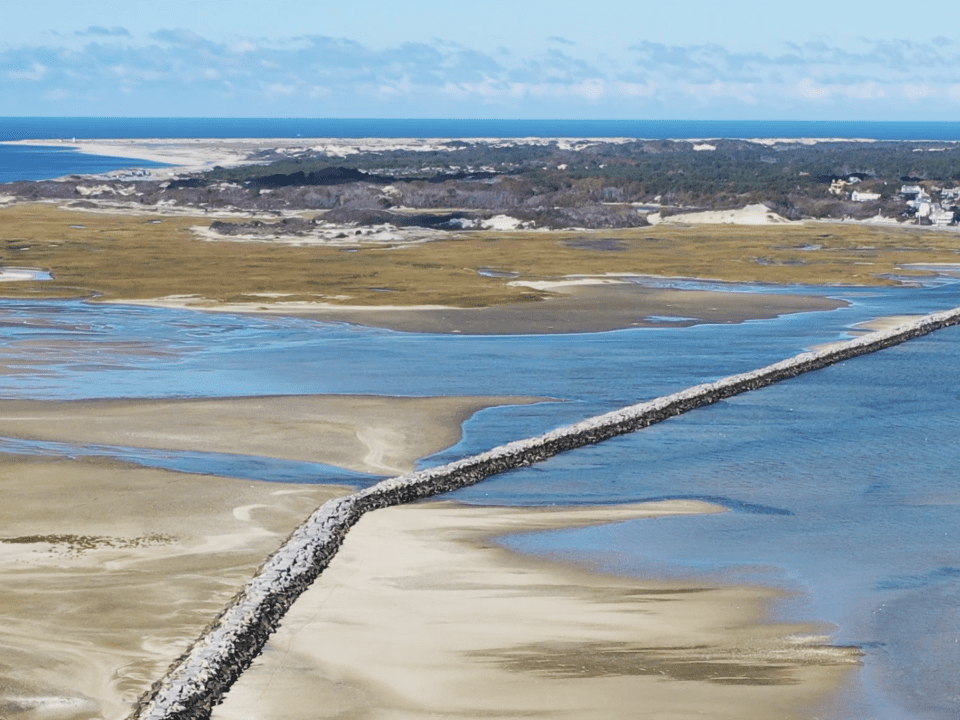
x: 18, y: 163
x: 842, y: 485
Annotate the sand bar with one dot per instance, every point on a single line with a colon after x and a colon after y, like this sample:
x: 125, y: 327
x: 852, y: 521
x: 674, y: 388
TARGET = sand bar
x: 370, y: 434
x: 184, y: 155
x: 574, y: 308
x: 421, y: 614
x: 108, y: 571
x: 492, y: 282
x: 198, y: 154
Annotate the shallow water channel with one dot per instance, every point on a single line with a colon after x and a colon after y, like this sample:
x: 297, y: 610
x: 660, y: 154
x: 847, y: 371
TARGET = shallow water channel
x: 843, y: 485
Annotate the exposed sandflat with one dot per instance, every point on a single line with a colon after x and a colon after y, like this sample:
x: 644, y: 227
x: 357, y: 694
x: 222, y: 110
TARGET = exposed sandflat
x: 108, y: 572
x: 371, y: 434
x: 419, y: 615
x: 585, y: 308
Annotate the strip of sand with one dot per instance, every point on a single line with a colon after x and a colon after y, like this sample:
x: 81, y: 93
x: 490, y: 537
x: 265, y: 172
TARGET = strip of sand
x: 370, y: 434
x: 108, y: 571
x: 421, y: 614
x: 185, y: 155
x: 575, y: 308
x: 887, y: 322
x: 197, y: 154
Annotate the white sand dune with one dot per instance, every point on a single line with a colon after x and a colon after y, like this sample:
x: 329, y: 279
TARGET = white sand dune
x: 757, y: 214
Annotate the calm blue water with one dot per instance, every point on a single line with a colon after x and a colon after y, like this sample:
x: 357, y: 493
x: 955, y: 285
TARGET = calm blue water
x: 844, y: 487
x: 53, y: 162
x: 25, y: 162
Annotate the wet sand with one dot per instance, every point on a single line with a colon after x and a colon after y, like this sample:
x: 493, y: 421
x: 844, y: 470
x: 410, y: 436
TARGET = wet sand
x: 370, y: 434
x: 421, y: 614
x: 108, y: 571
x: 574, y: 308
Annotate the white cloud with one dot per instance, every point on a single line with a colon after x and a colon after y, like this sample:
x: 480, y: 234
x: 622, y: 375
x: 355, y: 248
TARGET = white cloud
x: 810, y: 90
x: 634, y: 89
x: 36, y: 73
x: 917, y: 92
x: 182, y: 71
x: 591, y: 89
x: 275, y: 89
x: 742, y: 92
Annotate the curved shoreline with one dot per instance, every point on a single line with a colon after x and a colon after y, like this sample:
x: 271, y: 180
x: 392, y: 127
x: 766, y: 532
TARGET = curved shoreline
x: 378, y: 435
x: 524, y: 635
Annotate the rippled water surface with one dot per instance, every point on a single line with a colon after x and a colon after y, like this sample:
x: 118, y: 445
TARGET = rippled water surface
x: 842, y: 484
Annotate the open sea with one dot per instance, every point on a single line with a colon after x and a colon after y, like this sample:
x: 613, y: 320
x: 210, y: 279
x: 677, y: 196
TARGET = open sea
x: 843, y: 485
x: 38, y: 163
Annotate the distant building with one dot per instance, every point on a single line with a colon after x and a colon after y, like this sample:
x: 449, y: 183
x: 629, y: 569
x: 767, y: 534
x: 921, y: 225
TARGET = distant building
x: 857, y: 196
x: 941, y: 217
x: 837, y: 187
x: 916, y: 200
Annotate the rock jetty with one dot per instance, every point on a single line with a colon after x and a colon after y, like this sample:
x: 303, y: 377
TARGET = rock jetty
x: 195, y: 683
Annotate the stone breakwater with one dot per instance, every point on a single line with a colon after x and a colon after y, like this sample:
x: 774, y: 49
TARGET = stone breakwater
x: 199, y: 678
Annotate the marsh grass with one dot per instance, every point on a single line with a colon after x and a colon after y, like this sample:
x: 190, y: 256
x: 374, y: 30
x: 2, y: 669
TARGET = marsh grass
x: 121, y: 257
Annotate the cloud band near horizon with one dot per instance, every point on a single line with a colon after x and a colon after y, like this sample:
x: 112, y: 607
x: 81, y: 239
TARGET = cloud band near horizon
x: 107, y: 71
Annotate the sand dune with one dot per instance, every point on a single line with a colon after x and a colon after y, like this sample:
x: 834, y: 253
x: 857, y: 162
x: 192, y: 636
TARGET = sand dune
x: 749, y: 215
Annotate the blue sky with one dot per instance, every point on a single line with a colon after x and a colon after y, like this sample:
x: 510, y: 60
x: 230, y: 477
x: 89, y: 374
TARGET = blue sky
x: 613, y: 59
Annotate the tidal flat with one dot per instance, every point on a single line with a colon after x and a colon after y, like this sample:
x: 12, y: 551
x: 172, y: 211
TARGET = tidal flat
x: 139, y: 559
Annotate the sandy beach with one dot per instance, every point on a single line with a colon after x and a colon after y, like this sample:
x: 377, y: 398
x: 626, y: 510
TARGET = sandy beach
x: 422, y: 614
x: 370, y: 434
x: 184, y: 155
x: 108, y: 571
x: 198, y: 154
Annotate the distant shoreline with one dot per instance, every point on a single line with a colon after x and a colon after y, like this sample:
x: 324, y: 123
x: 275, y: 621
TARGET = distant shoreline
x: 16, y: 128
